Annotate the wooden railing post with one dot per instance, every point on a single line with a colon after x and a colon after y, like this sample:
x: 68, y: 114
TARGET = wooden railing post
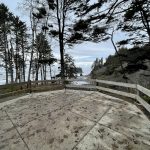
x: 96, y: 83
x: 30, y: 85
x: 137, y: 91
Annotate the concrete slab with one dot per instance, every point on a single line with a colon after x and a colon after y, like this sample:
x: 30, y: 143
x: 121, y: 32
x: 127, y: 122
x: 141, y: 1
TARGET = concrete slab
x: 11, y: 141
x: 108, y: 100
x: 102, y: 138
x: 33, y: 110
x: 63, y: 98
x: 58, y: 131
x: 26, y: 110
x: 130, y: 121
x: 65, y: 120
x: 5, y: 123
x: 90, y: 109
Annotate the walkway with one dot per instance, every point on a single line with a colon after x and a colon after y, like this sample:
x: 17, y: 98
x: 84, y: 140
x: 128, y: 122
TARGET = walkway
x: 72, y: 120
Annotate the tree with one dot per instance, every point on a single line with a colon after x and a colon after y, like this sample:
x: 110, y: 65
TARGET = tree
x: 97, y: 64
x: 70, y: 69
x: 44, y: 55
x: 102, y: 24
x: 136, y: 21
x: 57, y: 17
x: 133, y: 59
x: 33, y: 23
x: 24, y: 46
x: 19, y: 31
x: 29, y: 7
x: 13, y: 45
x: 131, y: 16
x: 4, y: 31
x: 79, y: 71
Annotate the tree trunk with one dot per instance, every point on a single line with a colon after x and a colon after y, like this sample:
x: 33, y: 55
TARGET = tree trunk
x: 37, y: 68
x: 121, y: 65
x: 37, y: 72
x: 61, y: 40
x: 43, y: 67
x: 31, y: 57
x: 45, y: 71
x: 11, y: 62
x: 6, y: 55
x: 41, y: 73
x: 62, y: 56
x: 50, y: 71
x: 20, y: 71
x: 17, y: 58
x: 33, y: 27
x: 23, y: 65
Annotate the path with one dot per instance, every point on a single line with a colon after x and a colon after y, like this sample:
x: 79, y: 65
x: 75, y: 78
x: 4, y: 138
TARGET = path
x: 72, y: 120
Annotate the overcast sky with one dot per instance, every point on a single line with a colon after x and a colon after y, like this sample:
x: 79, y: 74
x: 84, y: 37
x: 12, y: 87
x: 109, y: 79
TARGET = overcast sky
x: 84, y: 54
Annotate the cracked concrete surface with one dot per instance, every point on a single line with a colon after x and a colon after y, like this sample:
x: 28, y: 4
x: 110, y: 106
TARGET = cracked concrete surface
x: 72, y: 120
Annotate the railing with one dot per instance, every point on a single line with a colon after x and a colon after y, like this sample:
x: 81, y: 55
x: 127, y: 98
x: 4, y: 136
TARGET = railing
x: 133, y: 91
x: 24, y: 87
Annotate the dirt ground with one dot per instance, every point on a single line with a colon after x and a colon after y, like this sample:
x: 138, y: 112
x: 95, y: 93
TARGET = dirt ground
x: 72, y: 120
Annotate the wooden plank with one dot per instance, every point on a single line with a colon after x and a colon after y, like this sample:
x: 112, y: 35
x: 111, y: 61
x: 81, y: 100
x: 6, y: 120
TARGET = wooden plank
x: 71, y: 80
x: 87, y: 80
x: 81, y: 87
x: 143, y: 103
x: 92, y: 81
x: 13, y: 84
x: 117, y: 92
x: 39, y: 81
x: 12, y: 93
x: 106, y: 82
x: 104, y: 89
x: 143, y: 90
x: 117, y: 83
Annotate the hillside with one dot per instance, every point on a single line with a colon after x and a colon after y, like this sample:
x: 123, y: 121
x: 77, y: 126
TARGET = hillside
x: 135, y: 66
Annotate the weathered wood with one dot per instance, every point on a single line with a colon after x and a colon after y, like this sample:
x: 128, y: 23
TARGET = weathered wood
x: 12, y: 84
x: 93, y: 87
x: 117, y: 92
x: 104, y: 89
x: 143, y: 90
x: 39, y: 81
x: 12, y: 93
x: 81, y: 87
x: 85, y: 80
x: 27, y: 87
x: 129, y: 85
x: 143, y: 103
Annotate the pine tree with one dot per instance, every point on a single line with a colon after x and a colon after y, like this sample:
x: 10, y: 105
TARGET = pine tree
x: 44, y: 55
x: 20, y: 41
x: 4, y: 32
x: 56, y: 14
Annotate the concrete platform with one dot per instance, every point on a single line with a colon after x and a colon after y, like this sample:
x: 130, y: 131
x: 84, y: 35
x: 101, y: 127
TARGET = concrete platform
x: 72, y: 120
